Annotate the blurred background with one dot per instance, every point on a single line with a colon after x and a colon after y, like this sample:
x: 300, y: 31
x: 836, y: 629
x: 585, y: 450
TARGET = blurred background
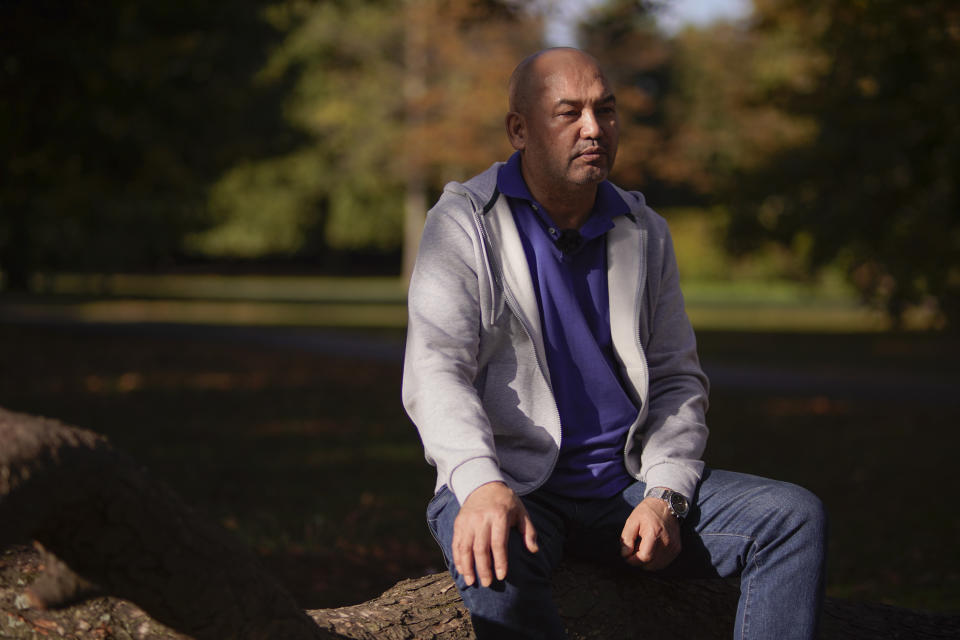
x: 209, y: 210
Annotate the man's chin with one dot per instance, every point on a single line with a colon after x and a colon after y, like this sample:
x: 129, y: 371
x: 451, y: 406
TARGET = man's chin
x: 590, y: 169
x: 590, y: 175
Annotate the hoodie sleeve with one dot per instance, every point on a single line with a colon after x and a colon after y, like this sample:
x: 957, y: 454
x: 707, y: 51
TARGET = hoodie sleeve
x: 676, y: 433
x: 440, y: 362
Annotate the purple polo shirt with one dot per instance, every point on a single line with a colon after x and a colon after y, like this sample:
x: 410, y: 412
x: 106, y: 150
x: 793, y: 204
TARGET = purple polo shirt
x: 595, y: 410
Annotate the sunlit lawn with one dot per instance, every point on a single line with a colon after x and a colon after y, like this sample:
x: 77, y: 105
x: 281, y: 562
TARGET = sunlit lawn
x: 380, y: 302
x: 310, y: 459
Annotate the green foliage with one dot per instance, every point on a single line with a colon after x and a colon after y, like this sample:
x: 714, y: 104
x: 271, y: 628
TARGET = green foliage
x: 830, y: 130
x: 765, y: 290
x: 875, y: 189
x: 366, y: 218
x: 389, y: 96
x: 262, y: 208
x: 115, y: 117
x: 696, y: 235
x: 347, y: 98
x: 135, y: 132
x: 139, y: 132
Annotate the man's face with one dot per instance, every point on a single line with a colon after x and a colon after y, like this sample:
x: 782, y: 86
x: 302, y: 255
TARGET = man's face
x: 572, y: 127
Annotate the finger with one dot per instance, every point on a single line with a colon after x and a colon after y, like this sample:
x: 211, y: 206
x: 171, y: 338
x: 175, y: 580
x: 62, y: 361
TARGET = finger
x: 659, y: 552
x: 498, y: 548
x: 481, y: 557
x: 529, y: 534
x: 629, y: 551
x: 463, y: 558
x: 631, y: 558
x: 628, y: 538
x: 634, y: 561
x: 646, y: 548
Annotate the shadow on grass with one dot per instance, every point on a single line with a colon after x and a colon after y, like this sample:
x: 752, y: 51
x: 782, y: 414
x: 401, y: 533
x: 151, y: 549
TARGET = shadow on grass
x: 305, y: 453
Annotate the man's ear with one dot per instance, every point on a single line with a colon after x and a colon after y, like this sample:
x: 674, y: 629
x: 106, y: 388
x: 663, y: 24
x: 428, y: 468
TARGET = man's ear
x: 516, y: 130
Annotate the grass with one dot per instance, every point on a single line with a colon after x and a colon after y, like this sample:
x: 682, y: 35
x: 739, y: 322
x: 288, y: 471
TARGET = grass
x: 225, y: 287
x: 312, y: 301
x: 238, y: 300
x: 776, y: 305
x: 310, y: 459
x: 763, y: 291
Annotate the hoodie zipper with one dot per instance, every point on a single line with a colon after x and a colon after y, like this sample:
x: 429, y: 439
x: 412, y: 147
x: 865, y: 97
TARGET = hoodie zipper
x: 514, y: 306
x: 638, y: 308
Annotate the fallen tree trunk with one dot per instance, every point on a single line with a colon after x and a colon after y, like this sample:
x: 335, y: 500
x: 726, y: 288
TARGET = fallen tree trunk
x: 102, y: 526
x: 595, y: 604
x: 599, y: 603
x: 113, y: 529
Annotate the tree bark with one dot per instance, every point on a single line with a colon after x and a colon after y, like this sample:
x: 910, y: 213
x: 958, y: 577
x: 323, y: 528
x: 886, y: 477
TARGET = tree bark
x: 602, y: 603
x: 116, y: 530
x: 109, y: 536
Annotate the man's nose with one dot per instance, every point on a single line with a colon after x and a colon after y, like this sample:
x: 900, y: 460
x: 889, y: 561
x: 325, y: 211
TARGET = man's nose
x: 590, y: 126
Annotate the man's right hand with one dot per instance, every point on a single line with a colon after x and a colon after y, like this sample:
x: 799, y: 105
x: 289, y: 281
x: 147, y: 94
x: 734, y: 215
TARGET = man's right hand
x: 482, y: 529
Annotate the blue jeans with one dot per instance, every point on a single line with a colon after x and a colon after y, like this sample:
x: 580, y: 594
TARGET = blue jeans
x: 771, y: 534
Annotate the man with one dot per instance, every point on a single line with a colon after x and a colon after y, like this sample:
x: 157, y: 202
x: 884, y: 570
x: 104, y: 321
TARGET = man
x: 552, y: 374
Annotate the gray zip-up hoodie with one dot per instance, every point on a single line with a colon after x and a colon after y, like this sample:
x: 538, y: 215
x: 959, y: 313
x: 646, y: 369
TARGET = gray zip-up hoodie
x: 476, y: 382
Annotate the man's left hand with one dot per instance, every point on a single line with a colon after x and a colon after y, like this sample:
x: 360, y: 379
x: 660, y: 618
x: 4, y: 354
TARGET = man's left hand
x: 651, y: 535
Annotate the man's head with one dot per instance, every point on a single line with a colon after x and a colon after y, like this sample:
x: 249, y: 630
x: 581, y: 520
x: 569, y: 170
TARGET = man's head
x: 563, y: 119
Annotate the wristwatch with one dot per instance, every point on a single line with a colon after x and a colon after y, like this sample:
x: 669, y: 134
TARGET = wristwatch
x: 678, y: 504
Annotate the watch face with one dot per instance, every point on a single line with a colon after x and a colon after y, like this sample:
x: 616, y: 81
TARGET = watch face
x: 679, y: 504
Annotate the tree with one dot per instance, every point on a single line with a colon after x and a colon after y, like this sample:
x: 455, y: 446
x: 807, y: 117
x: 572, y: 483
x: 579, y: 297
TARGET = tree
x: 694, y: 106
x: 138, y: 132
x: 874, y: 188
x: 115, y: 118
x: 635, y: 56
x: 394, y: 98
x: 830, y: 130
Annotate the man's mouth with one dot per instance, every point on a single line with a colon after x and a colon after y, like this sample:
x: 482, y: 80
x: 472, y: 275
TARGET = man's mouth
x: 593, y: 155
x: 592, y: 152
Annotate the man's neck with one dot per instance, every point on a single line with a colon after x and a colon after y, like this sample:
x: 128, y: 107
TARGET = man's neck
x: 569, y: 205
x: 570, y: 210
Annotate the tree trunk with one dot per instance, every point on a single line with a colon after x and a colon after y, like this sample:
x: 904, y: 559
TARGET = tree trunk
x: 415, y: 39
x: 119, y: 532
x: 102, y: 526
x: 601, y: 603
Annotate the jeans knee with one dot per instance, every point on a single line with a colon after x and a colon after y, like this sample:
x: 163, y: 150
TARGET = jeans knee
x: 807, y: 513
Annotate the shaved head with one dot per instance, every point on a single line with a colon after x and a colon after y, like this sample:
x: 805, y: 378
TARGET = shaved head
x: 527, y: 79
